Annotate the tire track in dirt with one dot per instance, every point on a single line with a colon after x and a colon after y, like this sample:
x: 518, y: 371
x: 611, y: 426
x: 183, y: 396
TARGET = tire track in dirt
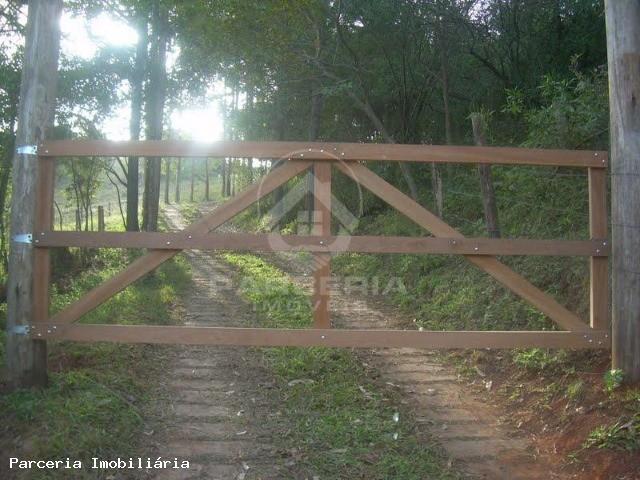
x: 218, y: 397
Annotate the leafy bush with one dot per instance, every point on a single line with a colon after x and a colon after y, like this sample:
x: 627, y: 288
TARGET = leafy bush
x: 574, y: 112
x: 622, y: 435
x: 613, y: 379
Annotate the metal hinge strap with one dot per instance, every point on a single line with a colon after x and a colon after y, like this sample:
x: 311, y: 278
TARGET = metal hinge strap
x: 27, y: 149
x: 21, y: 329
x: 25, y: 238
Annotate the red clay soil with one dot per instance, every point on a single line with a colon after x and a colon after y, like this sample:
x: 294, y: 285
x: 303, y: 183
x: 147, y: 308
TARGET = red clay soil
x: 557, y: 425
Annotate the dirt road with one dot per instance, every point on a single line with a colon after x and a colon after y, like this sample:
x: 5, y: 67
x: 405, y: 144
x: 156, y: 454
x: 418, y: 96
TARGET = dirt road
x: 218, y: 395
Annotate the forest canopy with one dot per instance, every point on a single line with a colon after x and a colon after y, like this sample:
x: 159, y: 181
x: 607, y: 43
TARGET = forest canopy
x: 383, y: 71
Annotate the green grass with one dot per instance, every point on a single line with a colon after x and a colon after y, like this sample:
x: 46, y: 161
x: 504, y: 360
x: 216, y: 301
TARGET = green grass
x: 343, y: 424
x: 100, y: 392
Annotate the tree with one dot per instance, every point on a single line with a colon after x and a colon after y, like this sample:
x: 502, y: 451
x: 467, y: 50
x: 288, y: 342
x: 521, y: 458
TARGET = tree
x: 178, y: 179
x: 479, y: 125
x: 136, y: 85
x: 155, y: 95
x: 167, y: 180
x: 9, y: 96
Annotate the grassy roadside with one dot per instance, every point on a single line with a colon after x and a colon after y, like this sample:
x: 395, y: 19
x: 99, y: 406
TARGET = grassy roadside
x: 98, y: 393
x: 344, y: 426
x: 568, y: 399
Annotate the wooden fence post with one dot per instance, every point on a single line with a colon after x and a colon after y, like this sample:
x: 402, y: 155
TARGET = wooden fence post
x: 599, y: 266
x: 623, y: 48
x: 322, y: 261
x: 27, y: 358
x: 486, y: 179
x: 100, y: 218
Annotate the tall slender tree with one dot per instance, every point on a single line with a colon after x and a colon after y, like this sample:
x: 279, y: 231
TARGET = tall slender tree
x: 136, y: 82
x: 155, y: 100
x: 178, y: 178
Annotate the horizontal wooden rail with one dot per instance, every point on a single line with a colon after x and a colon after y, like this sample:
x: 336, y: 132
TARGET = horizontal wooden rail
x: 278, y: 337
x: 325, y: 151
x: 287, y: 243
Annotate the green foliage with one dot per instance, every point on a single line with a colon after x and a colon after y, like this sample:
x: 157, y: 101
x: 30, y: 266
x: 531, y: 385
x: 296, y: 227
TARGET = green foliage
x: 343, y: 423
x: 622, y: 435
x: 575, y: 390
x: 83, y: 412
x: 539, y: 360
x: 613, y: 379
x: 574, y: 113
x: 273, y: 295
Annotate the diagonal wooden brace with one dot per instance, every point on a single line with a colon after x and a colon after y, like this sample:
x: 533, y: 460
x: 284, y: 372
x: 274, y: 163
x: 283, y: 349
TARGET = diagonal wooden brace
x: 155, y: 258
x: 498, y: 270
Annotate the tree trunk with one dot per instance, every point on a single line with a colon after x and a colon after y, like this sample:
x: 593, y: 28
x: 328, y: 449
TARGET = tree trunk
x: 280, y: 134
x: 478, y: 123
x: 60, y: 218
x: 233, y: 179
x: 100, y: 218
x: 445, y: 102
x: 4, y: 185
x: 27, y: 358
x: 156, y: 92
x: 229, y: 178
x: 623, y: 46
x: 206, y: 179
x: 133, y: 165
x: 223, y: 189
x: 436, y: 173
x: 436, y: 186
x: 167, y: 180
x: 178, y: 179
x: 193, y: 180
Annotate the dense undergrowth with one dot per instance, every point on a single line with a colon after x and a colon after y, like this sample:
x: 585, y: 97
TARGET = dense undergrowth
x: 343, y: 425
x: 98, y: 393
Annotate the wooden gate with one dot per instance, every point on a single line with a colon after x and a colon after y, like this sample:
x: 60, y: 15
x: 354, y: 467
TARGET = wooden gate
x: 348, y: 159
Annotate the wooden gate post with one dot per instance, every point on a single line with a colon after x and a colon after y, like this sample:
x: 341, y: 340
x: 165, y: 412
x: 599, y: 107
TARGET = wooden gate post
x: 100, y: 218
x: 322, y: 261
x: 27, y: 358
x: 623, y: 48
